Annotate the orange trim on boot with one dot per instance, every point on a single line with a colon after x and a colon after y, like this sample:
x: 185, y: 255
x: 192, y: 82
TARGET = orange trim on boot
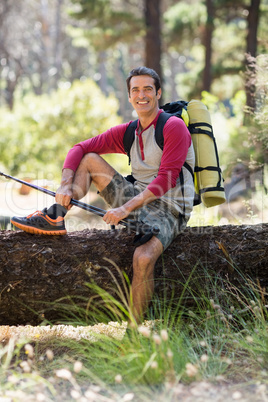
x: 33, y: 230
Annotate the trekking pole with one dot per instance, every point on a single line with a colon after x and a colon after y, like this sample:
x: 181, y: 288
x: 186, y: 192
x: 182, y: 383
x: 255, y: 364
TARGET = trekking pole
x: 138, y: 227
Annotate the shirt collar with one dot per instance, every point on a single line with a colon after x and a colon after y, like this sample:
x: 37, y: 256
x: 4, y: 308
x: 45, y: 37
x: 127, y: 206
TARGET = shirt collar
x: 153, y: 122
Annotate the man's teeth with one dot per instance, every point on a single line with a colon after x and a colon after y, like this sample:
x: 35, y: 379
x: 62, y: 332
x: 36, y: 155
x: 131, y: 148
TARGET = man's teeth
x: 142, y: 103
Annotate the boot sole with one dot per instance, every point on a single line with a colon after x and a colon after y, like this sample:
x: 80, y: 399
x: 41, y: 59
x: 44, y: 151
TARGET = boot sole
x: 33, y: 230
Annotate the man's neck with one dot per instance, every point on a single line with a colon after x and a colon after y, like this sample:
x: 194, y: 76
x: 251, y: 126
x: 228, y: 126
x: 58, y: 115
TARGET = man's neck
x: 146, y: 120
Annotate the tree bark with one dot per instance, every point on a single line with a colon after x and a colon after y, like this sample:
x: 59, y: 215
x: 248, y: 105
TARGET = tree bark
x: 153, y: 35
x: 37, y: 271
x: 57, y: 45
x: 209, y: 29
x: 251, y: 52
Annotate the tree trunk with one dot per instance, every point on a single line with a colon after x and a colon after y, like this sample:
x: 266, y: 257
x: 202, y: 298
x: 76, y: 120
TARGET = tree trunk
x: 36, y: 271
x: 46, y: 54
x: 57, y: 45
x: 251, y: 51
x: 209, y: 28
x: 153, y: 35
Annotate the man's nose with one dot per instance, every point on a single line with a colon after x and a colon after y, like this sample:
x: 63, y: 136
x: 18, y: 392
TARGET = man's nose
x: 141, y: 94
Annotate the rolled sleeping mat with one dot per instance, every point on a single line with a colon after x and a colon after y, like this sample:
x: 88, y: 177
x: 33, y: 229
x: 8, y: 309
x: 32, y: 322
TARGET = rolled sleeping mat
x: 208, y: 177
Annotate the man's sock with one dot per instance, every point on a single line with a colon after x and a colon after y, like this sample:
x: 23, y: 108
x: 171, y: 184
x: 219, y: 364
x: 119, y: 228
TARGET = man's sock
x: 56, y: 210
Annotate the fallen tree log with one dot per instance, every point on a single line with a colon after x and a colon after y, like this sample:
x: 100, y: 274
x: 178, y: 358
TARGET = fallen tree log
x: 37, y: 271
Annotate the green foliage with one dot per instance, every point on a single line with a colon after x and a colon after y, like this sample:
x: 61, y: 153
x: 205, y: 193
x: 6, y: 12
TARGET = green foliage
x: 261, y: 114
x: 41, y: 130
x: 228, y: 40
x: 185, y: 32
x: 237, y: 141
x: 211, y: 101
x: 108, y: 23
x: 248, y: 141
x: 239, y: 148
x: 184, y: 21
x: 263, y: 29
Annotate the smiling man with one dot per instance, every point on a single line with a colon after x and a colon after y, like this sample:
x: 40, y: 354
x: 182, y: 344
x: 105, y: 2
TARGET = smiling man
x: 159, y: 192
x: 144, y: 97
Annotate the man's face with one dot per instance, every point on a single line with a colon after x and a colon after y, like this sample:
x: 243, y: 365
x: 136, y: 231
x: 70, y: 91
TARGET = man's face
x: 143, y: 96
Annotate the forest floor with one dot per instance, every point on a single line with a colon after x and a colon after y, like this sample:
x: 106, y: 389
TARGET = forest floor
x: 215, y: 390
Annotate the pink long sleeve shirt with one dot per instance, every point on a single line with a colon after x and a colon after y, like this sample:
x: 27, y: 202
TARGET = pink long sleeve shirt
x: 177, y: 141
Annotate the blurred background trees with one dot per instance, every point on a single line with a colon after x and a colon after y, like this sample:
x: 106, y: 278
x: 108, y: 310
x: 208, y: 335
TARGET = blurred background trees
x: 60, y: 60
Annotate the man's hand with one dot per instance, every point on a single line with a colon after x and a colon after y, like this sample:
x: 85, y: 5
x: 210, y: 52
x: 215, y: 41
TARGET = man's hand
x: 63, y: 196
x: 113, y: 216
x: 65, y: 192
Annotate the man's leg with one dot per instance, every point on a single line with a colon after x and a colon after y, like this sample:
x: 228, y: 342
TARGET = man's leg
x: 51, y: 221
x: 145, y: 256
x: 144, y: 260
x: 92, y: 168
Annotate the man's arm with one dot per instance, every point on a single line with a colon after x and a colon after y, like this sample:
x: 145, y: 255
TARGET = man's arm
x: 177, y: 141
x: 111, y: 141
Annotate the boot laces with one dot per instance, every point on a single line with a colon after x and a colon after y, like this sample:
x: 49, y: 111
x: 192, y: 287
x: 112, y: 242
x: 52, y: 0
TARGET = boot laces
x: 34, y: 214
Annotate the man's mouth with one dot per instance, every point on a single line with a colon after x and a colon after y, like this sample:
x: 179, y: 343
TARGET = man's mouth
x: 142, y: 102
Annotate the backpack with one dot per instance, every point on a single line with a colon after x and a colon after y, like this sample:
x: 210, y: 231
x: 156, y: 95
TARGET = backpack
x: 207, y: 174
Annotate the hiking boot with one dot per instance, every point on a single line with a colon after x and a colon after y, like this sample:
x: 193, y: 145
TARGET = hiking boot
x: 46, y: 222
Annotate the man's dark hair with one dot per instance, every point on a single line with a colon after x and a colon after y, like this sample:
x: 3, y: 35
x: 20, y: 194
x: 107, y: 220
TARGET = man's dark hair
x: 144, y: 71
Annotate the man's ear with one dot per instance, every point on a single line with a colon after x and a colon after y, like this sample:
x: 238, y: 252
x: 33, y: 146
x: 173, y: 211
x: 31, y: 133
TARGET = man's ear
x: 159, y: 93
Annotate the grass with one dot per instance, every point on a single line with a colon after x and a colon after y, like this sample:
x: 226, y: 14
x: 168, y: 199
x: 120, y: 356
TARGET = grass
x: 223, y: 340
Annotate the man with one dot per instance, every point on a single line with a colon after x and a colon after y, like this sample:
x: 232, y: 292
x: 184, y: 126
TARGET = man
x: 154, y: 195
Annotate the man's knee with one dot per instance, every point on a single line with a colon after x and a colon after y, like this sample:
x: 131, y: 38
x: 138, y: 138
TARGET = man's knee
x: 89, y: 160
x: 101, y: 173
x: 145, y: 256
x: 143, y: 263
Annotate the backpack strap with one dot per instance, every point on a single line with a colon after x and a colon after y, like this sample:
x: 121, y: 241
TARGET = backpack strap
x: 159, y: 138
x: 129, y: 137
x: 195, y: 129
x: 188, y: 167
x: 159, y: 128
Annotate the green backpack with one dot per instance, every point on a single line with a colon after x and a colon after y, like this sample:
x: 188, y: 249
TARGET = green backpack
x: 207, y: 174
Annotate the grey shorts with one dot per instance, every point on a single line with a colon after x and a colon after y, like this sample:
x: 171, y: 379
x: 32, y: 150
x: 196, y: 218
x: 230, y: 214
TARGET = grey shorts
x: 120, y: 190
